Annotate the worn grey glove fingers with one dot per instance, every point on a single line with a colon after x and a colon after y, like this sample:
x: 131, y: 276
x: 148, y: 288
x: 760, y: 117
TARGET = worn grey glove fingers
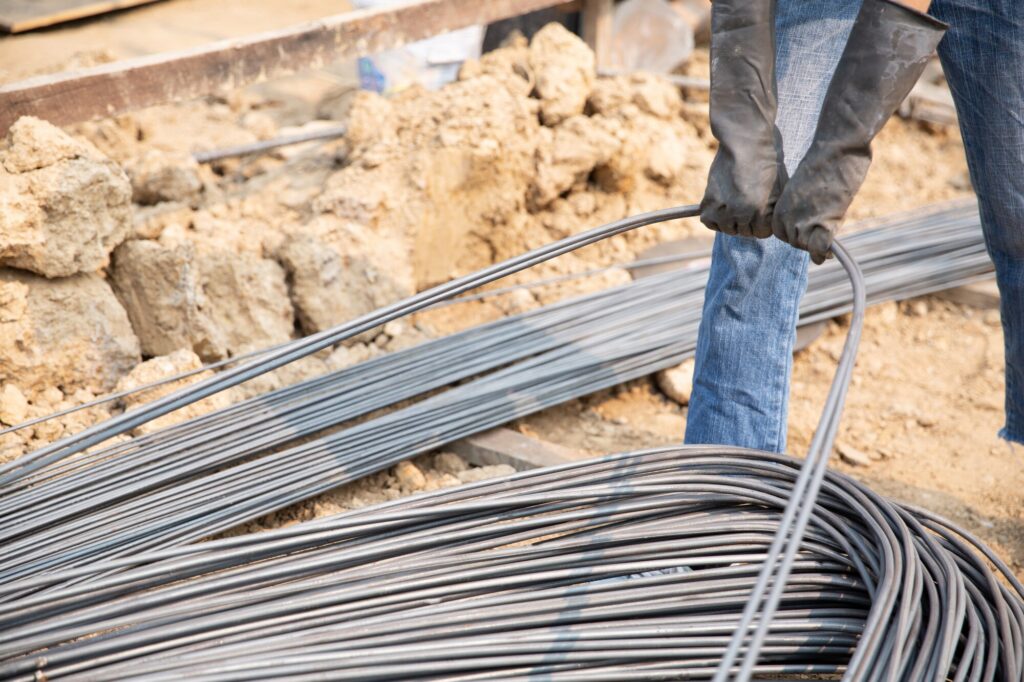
x: 819, y: 243
x: 727, y: 220
x: 807, y: 216
x: 741, y: 208
x: 742, y: 114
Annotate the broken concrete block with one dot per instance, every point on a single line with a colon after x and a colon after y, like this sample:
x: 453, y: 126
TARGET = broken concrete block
x: 568, y: 153
x: 325, y: 290
x: 13, y: 405
x: 217, y: 304
x: 70, y: 332
x: 165, y: 176
x: 677, y: 382
x: 564, y: 68
x: 247, y: 299
x: 409, y: 476
x: 65, y: 205
x: 160, y: 289
x: 449, y: 463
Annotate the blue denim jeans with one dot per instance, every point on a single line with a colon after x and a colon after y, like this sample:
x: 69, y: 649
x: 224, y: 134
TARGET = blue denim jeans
x: 744, y: 347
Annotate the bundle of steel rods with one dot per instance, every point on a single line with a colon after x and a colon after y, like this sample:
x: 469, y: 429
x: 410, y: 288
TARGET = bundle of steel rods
x: 183, y: 483
x: 630, y: 567
x: 700, y: 562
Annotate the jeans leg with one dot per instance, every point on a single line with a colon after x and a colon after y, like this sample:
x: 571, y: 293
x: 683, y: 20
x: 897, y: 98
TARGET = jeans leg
x: 983, y: 57
x: 745, y: 342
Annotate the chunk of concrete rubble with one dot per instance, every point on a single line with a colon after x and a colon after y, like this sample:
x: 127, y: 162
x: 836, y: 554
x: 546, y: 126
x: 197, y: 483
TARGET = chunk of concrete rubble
x: 852, y: 455
x: 66, y: 206
x: 409, y: 476
x: 485, y: 472
x: 70, y: 332
x: 450, y: 463
x: 510, y: 65
x: 677, y: 382
x: 568, y: 153
x: 655, y: 96
x: 564, y: 68
x: 325, y: 289
x: 159, y: 176
x: 13, y: 405
x: 216, y: 304
x: 160, y: 289
x: 247, y: 298
x: 158, y: 368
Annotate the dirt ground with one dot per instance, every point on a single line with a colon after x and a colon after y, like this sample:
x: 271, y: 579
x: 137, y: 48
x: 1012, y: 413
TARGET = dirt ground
x: 927, y: 395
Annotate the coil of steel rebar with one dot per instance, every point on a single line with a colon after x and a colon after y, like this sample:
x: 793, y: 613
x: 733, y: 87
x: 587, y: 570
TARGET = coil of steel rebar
x: 630, y: 567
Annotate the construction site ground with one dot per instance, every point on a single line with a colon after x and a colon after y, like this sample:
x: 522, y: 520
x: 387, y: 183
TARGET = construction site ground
x: 926, y: 402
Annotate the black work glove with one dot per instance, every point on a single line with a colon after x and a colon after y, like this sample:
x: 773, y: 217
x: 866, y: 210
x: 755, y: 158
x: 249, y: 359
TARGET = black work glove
x: 888, y: 48
x: 746, y: 176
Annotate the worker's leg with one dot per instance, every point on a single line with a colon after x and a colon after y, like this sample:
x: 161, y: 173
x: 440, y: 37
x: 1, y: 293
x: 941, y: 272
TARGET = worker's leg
x: 744, y: 347
x: 983, y: 57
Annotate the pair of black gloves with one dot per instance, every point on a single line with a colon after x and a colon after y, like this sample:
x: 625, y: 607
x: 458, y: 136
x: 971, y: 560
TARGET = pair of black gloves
x: 748, y: 191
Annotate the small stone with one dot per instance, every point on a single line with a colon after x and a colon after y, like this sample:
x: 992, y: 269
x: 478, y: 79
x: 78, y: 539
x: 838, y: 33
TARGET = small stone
x: 886, y: 453
x: 70, y: 332
x: 887, y: 312
x: 396, y: 328
x: 483, y: 473
x: 852, y: 455
x: 13, y: 405
x: 346, y: 356
x: 165, y: 176
x: 992, y: 318
x: 409, y: 476
x: 50, y: 397
x: 11, y: 447
x: 677, y: 382
x: 450, y: 463
x: 918, y: 308
x: 448, y: 481
x: 326, y: 288
x: 926, y: 420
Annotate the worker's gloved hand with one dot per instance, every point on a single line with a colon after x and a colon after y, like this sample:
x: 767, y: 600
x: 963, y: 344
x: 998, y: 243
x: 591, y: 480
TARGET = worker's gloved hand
x: 888, y: 48
x: 745, y: 178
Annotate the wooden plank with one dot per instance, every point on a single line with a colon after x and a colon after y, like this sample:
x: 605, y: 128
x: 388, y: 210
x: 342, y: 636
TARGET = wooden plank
x: 115, y: 88
x: 504, y: 446
x: 18, y: 16
x: 597, y: 28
